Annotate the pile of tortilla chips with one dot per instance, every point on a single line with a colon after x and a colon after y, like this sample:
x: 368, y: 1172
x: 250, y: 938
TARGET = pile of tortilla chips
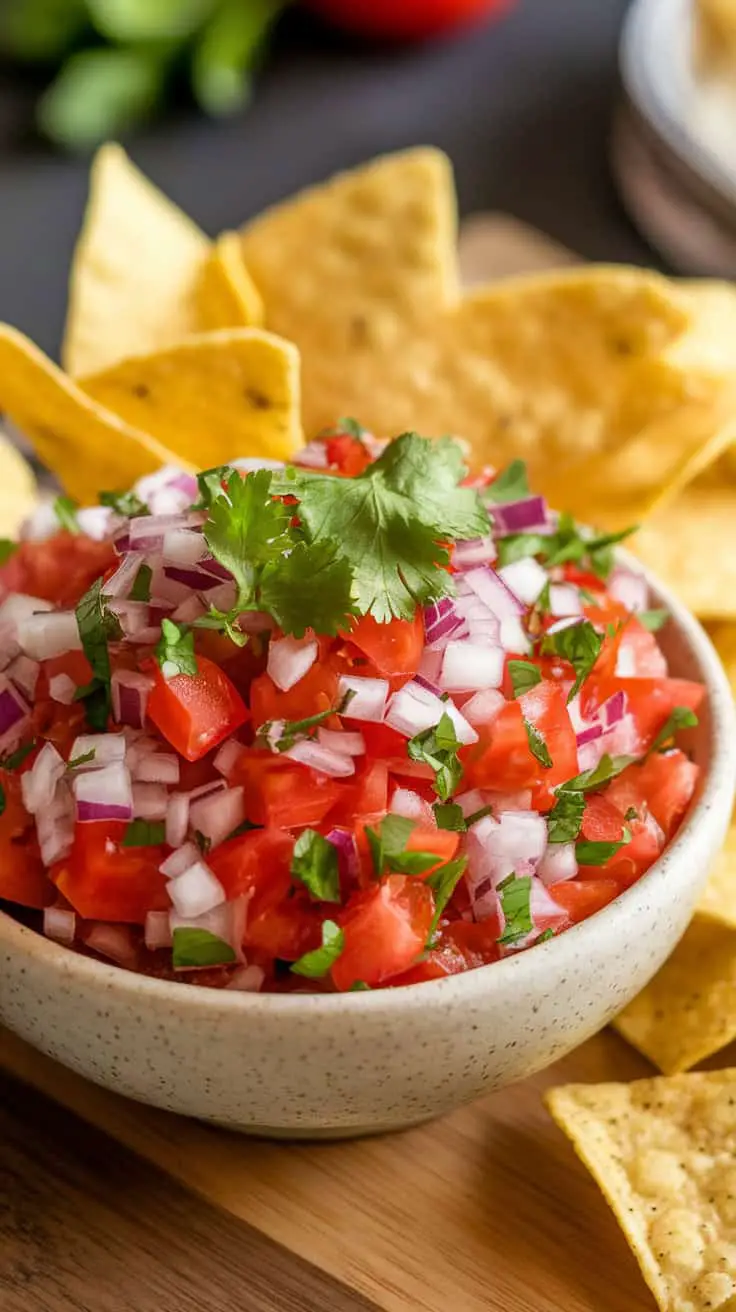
x: 616, y: 385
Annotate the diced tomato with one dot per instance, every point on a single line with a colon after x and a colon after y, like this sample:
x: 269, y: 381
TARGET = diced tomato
x: 443, y: 842
x: 347, y: 454
x: 503, y: 759
x: 393, y: 649
x: 437, y: 964
x: 316, y: 692
x: 195, y: 712
x: 602, y: 821
x: 22, y: 875
x: 639, y: 648
x: 255, y: 864
x: 73, y: 664
x: 476, y: 940
x: 631, y: 860
x: 365, y: 795
x: 61, y: 569
x: 105, y: 881
x: 57, y: 724
x: 385, y: 930
x: 582, y: 898
x: 285, y: 931
x: 663, y: 783
x: 282, y: 794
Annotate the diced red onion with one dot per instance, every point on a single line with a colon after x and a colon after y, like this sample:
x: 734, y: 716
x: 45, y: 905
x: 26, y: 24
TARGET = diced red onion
x: 404, y: 801
x: 513, y: 841
x: 9, y: 648
x: 218, y: 815
x: 50, y: 634
x: 214, y: 567
x: 103, y: 794
x: 441, y: 619
x: 98, y: 522
x: 512, y: 636
x: 348, y: 861
x: 62, y: 689
x: 429, y: 668
x: 369, y: 697
x: 227, y: 756
x: 345, y: 743
x: 177, y: 819
x: 38, y: 785
x: 470, y: 666
x: 493, y: 592
x: 559, y: 862
x: 525, y: 578
x: 470, y: 802
x: 564, y: 599
x: 251, y: 464
x: 613, y: 710
x: 113, y: 941
x: 484, y: 706
x: 133, y: 616
x: 428, y: 685
x: 60, y: 924
x: 248, y: 979
x: 628, y: 588
x: 107, y: 747
x: 197, y: 579
x: 130, y: 693
x: 120, y: 583
x: 13, y: 706
x: 158, y: 768
x: 484, y: 901
x: 519, y: 516
x: 24, y: 673
x: 166, y: 478
x: 150, y: 801
x: 157, y: 930
x: 474, y: 551
x: 312, y: 456
x: 195, y: 891
x: 414, y: 708
x: 588, y: 734
x: 183, y: 546
x: 311, y: 753
x: 289, y: 659
x: 147, y: 531
x: 177, y: 862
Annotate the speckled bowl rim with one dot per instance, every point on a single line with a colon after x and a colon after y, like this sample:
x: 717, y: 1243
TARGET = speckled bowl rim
x: 471, y: 985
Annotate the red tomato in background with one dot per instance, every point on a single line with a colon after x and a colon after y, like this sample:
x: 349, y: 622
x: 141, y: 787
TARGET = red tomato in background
x: 23, y: 878
x: 104, y: 881
x: 503, y: 760
x: 663, y: 784
x: 61, y: 569
x: 257, y: 864
x: 283, y: 794
x: 405, y: 19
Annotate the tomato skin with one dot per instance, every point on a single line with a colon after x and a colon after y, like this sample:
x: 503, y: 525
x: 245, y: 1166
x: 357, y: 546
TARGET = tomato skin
x: 195, y: 712
x: 582, y: 898
x: 663, y: 783
x: 393, y: 649
x: 602, y: 821
x: 348, y: 454
x: 23, y: 878
x: 281, y: 794
x: 287, y: 930
x: 503, y: 760
x: 60, y: 569
x: 104, y: 881
x: 385, y: 928
x: 316, y: 692
x: 366, y: 795
x: 256, y: 865
x: 405, y: 19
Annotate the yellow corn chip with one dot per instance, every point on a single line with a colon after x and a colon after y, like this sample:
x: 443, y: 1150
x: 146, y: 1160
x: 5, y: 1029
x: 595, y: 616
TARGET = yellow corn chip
x: 724, y: 640
x: 85, y: 445
x: 686, y: 544
x: 211, y: 398
x: 144, y: 276
x: 719, y: 896
x: 663, y: 1152
x: 17, y: 489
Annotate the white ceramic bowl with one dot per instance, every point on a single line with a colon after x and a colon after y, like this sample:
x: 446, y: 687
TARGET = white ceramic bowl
x: 332, y: 1065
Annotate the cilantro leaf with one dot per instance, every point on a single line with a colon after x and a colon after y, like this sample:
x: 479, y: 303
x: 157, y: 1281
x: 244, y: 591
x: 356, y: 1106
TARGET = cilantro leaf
x: 17, y: 757
x: 653, y: 620
x: 580, y: 645
x: 681, y: 718
x: 537, y: 745
x: 314, y: 863
x: 97, y: 627
x: 246, y: 528
x: 515, y: 897
x: 512, y: 484
x: 8, y: 548
x: 392, y: 520
x: 84, y: 759
x: 316, y: 964
x: 144, y: 833
x: 524, y: 675
x: 388, y: 843
x: 141, y: 589
x: 438, y: 748
x: 565, y: 818
x: 597, y: 853
x: 443, y: 882
x: 66, y: 512
x: 607, y: 768
x: 544, y: 936
x: 347, y: 425
x: 449, y: 816
x: 96, y: 698
x: 124, y: 503
x: 198, y: 947
x: 359, y: 986
x: 210, y: 483
x: 312, y: 587
x: 175, y: 650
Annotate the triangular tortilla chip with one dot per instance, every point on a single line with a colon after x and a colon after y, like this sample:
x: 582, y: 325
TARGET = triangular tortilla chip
x: 718, y: 900
x: 211, y: 398
x: 687, y: 545
x: 663, y: 1152
x: 18, y: 490
x: 144, y: 276
x: 86, y: 446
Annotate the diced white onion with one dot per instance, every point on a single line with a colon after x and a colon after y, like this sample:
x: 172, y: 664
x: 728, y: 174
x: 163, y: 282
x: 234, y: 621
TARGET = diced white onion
x: 404, y: 801
x: 38, y: 785
x: 150, y: 801
x: 24, y: 673
x: 20, y: 606
x: 60, y: 924
x: 368, y: 700
x: 483, y: 707
x: 310, y: 752
x: 107, y: 747
x: 470, y: 666
x: 113, y: 941
x: 564, y: 599
x: 183, y: 546
x: 177, y: 819
x: 289, y: 659
x: 180, y: 860
x: 49, y: 634
x: 104, y: 794
x: 195, y: 891
x: 157, y: 768
x: 157, y: 930
x: 227, y: 756
x: 248, y: 979
x: 218, y: 815
x: 347, y: 744
x: 526, y: 578
x: 559, y: 862
x: 62, y: 689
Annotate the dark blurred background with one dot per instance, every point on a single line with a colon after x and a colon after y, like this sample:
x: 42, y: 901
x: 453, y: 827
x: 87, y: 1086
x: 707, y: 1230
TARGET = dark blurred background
x: 522, y: 105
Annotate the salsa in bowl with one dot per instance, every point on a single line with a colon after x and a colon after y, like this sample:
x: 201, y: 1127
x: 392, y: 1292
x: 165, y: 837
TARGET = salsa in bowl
x: 357, y: 723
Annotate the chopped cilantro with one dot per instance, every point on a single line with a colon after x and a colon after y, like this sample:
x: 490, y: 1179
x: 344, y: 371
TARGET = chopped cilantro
x: 8, y: 548
x: 314, y: 863
x: 388, y: 848
x: 96, y: 698
x: 537, y: 745
x: 292, y: 730
x: 203, y: 841
x: 84, y: 759
x: 515, y: 894
x: 607, y: 768
x: 449, y: 816
x: 244, y: 827
x: 66, y: 512
x: 544, y: 936
x: 144, y: 833
x: 347, y: 425
x: 653, y: 619
x: 210, y: 483
x: 565, y: 818
x: 681, y: 718
x: 312, y: 587
x: 511, y: 484
x: 97, y: 628
x: 124, y: 503
x: 17, y: 757
x: 544, y: 602
x: 316, y: 964
x: 580, y: 645
x: 569, y: 543
x: 443, y: 882
x: 524, y: 675
x: 198, y: 947
x: 596, y: 853
x: 438, y: 748
x: 141, y: 589
x: 359, y: 986
x: 393, y: 521
x: 175, y: 650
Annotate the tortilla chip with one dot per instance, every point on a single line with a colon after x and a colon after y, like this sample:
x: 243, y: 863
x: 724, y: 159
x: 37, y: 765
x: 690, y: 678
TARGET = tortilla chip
x: 85, y: 445
x: 723, y: 637
x: 719, y: 896
x: 663, y: 1152
x: 211, y: 398
x: 686, y: 544
x: 144, y: 276
x: 18, y: 492
x: 687, y: 1011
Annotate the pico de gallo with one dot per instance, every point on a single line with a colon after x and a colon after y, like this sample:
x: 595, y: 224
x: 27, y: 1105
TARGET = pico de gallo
x: 361, y: 721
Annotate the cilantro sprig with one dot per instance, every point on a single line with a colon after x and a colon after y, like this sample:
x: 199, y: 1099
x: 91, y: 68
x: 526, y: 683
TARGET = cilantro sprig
x: 388, y: 848
x: 681, y: 718
x: 566, y: 817
x: 438, y: 748
x: 570, y: 543
x: 524, y: 676
x: 98, y: 627
x: 512, y: 484
x: 66, y: 512
x: 198, y: 947
x: 175, y: 650
x: 593, y: 853
x: 580, y: 645
x: 314, y: 864
x: 318, y: 962
x: 515, y: 895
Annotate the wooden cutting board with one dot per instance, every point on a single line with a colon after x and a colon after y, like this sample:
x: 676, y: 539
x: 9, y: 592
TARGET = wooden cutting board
x: 487, y: 1210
